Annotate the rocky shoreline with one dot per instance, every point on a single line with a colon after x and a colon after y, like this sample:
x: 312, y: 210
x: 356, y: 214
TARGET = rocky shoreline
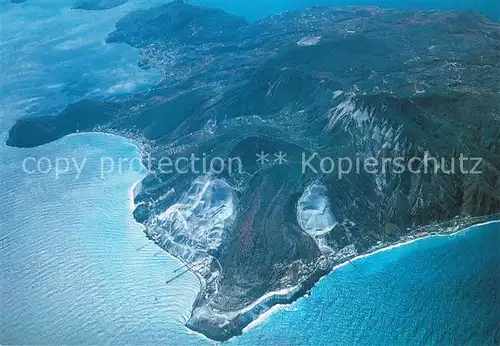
x: 323, y: 82
x: 208, y: 322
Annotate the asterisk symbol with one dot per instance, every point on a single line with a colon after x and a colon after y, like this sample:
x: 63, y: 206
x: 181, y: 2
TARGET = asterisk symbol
x: 262, y: 158
x: 280, y: 158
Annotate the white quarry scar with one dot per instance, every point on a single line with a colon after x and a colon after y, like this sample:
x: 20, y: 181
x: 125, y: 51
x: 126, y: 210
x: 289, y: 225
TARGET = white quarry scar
x: 313, y: 211
x: 199, y: 217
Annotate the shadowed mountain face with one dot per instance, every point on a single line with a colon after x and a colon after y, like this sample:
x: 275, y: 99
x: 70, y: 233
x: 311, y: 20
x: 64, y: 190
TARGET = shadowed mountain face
x: 317, y: 85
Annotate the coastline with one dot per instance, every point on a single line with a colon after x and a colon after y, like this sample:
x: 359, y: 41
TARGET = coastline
x: 131, y: 199
x: 131, y: 140
x: 260, y: 310
x: 131, y: 194
x: 302, y: 289
x: 410, y: 241
x: 262, y: 318
x: 231, y: 82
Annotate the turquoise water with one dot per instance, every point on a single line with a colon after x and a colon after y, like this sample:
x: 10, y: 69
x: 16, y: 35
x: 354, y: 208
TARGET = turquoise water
x: 441, y: 291
x: 72, y: 273
x: 70, y: 269
x: 254, y: 10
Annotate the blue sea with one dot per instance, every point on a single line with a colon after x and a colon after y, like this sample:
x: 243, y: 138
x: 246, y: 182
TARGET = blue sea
x: 436, y: 291
x: 77, y: 269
